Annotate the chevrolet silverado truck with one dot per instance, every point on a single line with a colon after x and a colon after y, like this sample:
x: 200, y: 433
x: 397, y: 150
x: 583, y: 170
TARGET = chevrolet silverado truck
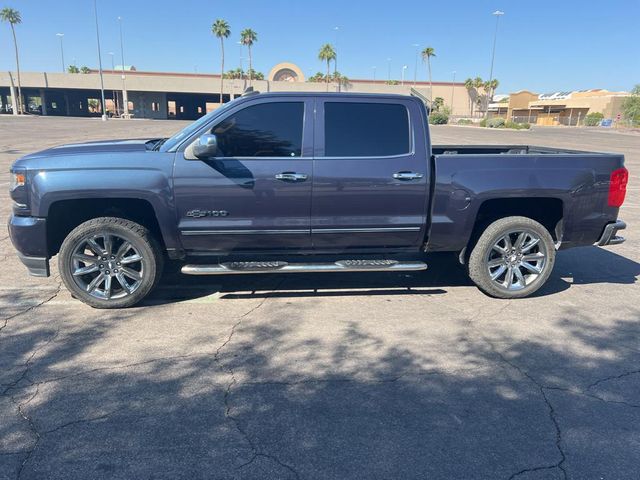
x: 296, y: 182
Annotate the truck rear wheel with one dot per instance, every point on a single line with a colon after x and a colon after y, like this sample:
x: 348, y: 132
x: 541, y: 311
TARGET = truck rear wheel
x: 512, y: 258
x: 110, y: 262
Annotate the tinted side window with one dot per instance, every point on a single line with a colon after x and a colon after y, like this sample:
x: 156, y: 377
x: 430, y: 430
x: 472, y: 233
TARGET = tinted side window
x: 263, y: 130
x: 365, y: 129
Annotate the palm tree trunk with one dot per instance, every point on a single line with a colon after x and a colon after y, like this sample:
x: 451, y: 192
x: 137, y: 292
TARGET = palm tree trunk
x: 327, y: 78
x: 430, y: 84
x: 250, y: 67
x: 222, y: 71
x: 15, y: 46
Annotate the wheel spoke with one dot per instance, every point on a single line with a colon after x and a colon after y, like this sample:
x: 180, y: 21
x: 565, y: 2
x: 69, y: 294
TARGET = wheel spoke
x: 520, y: 277
x: 497, y: 272
x: 520, y: 240
x: 131, y: 273
x: 508, y: 279
x: 499, y: 249
x: 95, y: 282
x: 495, y: 262
x: 86, y: 269
x: 131, y: 259
x: 123, y: 281
x: 93, y: 245
x: 124, y: 248
x: 531, y: 268
x: 507, y: 242
x: 533, y: 257
x: 108, y: 243
x: 107, y: 286
x: 530, y: 244
x: 87, y: 259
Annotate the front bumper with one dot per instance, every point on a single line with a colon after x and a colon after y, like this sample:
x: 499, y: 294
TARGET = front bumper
x: 29, y: 237
x: 609, y: 235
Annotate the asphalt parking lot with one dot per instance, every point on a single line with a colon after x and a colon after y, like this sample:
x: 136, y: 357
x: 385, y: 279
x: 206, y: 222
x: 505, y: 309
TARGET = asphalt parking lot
x: 325, y: 376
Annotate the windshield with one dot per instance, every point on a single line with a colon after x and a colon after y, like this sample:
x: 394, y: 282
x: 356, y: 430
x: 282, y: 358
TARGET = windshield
x: 192, y: 127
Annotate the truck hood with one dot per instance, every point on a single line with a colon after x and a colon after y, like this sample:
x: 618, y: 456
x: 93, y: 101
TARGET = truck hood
x: 110, y: 146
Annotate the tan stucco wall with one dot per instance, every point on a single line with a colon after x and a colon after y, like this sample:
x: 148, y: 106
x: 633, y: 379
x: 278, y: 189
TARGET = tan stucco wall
x: 193, y: 83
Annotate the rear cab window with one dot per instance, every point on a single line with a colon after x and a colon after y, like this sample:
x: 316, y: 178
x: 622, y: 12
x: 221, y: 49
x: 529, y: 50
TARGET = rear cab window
x: 360, y: 129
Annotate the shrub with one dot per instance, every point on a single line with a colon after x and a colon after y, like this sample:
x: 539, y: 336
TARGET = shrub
x: 516, y: 125
x: 495, y: 122
x: 483, y: 122
x: 593, y: 119
x: 464, y: 121
x: 438, y: 118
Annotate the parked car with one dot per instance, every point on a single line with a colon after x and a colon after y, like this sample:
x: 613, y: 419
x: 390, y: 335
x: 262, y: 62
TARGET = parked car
x: 295, y: 182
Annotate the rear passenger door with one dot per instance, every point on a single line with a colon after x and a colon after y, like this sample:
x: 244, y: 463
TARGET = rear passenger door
x: 370, y: 174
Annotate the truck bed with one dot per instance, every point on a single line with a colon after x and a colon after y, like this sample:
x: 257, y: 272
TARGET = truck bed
x: 505, y: 150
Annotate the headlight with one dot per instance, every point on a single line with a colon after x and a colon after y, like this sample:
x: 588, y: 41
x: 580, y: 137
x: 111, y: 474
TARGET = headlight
x: 18, y: 179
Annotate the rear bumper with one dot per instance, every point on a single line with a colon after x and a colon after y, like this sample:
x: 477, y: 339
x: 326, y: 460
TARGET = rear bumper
x: 609, y: 235
x: 29, y: 237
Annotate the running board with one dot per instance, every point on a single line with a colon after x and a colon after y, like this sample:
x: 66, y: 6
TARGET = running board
x: 231, y: 268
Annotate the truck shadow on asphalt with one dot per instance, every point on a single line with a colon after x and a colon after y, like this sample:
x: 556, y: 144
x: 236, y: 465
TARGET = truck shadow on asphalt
x: 579, y: 266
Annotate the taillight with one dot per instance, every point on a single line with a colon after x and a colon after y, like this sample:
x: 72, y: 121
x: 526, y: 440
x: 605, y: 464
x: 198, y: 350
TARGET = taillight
x: 618, y: 187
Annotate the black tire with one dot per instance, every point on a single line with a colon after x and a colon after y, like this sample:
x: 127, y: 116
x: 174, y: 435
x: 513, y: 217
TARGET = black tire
x: 123, y: 290
x: 487, y: 258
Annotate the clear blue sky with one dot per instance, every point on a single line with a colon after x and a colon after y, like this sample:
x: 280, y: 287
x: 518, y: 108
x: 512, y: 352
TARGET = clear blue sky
x: 542, y: 45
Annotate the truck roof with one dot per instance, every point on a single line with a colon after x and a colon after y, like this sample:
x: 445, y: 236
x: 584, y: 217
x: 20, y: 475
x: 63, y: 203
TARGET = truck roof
x: 330, y: 94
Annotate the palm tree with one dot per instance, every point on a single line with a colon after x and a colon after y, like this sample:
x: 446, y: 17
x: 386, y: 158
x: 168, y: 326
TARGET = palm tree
x: 326, y: 54
x: 220, y: 29
x: 468, y: 84
x: 478, y: 83
x: 248, y: 37
x: 12, y: 17
x: 490, y: 87
x: 427, y: 53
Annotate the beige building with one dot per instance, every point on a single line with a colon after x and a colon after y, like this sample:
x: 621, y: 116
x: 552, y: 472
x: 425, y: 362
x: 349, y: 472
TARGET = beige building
x: 559, y: 108
x: 186, y: 95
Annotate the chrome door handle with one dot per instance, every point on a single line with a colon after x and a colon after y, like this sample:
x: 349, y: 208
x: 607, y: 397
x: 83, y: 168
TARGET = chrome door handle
x: 407, y: 176
x: 291, y: 177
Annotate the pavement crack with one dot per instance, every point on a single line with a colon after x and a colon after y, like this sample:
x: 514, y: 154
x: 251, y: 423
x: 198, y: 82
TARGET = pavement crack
x: 32, y: 427
x: 256, y: 451
x: 612, y: 377
x: 30, y: 308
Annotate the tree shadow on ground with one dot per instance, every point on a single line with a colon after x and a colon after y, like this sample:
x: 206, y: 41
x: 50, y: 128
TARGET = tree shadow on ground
x: 275, y: 400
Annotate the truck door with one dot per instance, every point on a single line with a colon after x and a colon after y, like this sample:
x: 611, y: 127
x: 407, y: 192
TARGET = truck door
x: 370, y: 174
x: 255, y: 194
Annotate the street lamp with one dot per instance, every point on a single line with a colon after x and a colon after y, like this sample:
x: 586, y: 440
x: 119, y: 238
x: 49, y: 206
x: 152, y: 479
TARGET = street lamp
x: 415, y: 68
x: 241, y: 59
x: 60, y: 35
x: 404, y: 67
x: 374, y: 72
x: 497, y: 14
x: 453, y: 89
x: 113, y: 93
x: 125, y: 100
x: 389, y: 69
x: 335, y: 60
x: 95, y: 11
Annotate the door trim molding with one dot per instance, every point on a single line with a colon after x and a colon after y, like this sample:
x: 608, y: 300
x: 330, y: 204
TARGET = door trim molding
x: 365, y: 230
x: 243, y: 232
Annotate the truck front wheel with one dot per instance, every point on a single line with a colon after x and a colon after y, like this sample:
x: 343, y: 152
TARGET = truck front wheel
x: 512, y: 258
x: 110, y: 262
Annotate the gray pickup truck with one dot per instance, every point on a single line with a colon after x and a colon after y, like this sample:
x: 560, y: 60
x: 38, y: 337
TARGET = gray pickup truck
x: 294, y: 183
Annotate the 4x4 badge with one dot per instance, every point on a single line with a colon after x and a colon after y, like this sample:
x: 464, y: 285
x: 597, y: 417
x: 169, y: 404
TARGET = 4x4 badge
x: 207, y: 213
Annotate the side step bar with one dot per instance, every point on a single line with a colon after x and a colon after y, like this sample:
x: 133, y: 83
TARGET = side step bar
x: 231, y: 268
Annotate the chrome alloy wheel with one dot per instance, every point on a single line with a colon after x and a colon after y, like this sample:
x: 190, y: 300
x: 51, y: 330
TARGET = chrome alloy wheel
x: 516, y: 260
x: 107, y: 266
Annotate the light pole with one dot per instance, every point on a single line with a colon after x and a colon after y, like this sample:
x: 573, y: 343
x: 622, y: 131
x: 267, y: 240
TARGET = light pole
x: 374, y: 72
x: 241, y: 59
x: 60, y: 35
x: 125, y: 99
x: 453, y: 89
x: 497, y: 14
x: 415, y: 68
x: 335, y: 60
x: 113, y: 94
x: 95, y: 11
x: 404, y: 67
x: 389, y: 69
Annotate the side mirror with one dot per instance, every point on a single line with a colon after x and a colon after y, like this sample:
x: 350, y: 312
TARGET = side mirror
x: 206, y: 146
